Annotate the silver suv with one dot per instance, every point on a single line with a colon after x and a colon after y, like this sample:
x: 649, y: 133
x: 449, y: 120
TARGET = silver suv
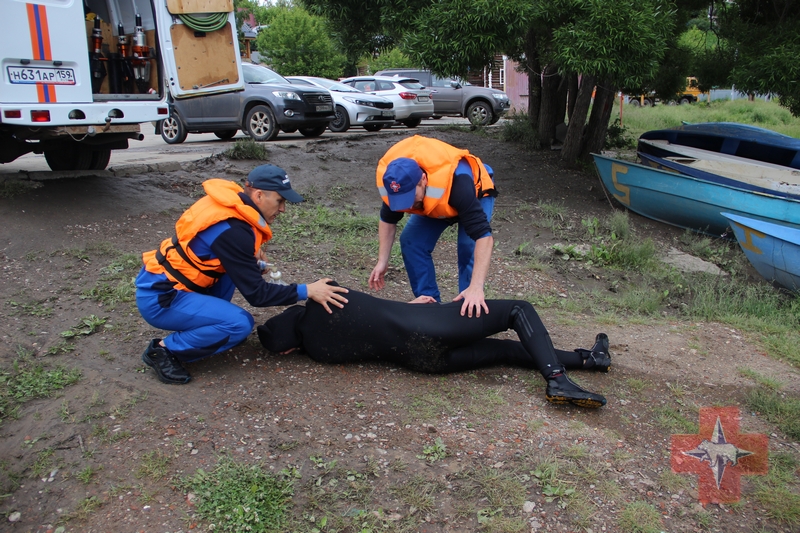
x: 480, y: 105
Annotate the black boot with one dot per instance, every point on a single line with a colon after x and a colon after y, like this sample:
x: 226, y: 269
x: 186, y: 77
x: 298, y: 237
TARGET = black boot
x: 598, y: 358
x: 167, y: 367
x: 561, y: 389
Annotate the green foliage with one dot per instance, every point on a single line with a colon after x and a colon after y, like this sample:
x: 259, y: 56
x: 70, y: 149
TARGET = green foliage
x: 617, y: 136
x: 297, y: 43
x: 640, y: 517
x: 86, y: 326
x: 236, y: 497
x: 247, y: 149
x: 517, y: 128
x: 116, y: 283
x: 393, y: 58
x: 782, y: 410
x: 434, y: 452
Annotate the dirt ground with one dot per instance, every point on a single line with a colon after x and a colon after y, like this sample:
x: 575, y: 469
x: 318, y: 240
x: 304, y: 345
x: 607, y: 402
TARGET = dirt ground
x: 82, y: 458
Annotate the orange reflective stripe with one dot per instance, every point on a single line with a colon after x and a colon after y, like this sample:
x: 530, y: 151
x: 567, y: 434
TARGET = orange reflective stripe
x: 40, y: 45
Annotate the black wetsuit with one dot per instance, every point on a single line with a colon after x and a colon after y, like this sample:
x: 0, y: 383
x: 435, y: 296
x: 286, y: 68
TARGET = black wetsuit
x: 423, y: 337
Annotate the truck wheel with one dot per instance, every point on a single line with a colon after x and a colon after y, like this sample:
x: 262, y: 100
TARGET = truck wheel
x: 314, y: 131
x: 225, y: 134
x: 78, y: 158
x: 479, y: 113
x: 685, y: 101
x: 412, y: 122
x: 172, y: 129
x: 373, y: 127
x: 634, y: 102
x: 260, y: 124
x: 100, y: 159
x: 342, y: 122
x: 648, y: 102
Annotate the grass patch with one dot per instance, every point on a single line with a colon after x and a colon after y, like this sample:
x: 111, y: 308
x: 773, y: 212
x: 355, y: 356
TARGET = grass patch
x: 154, y: 465
x: 27, y: 380
x: 247, y: 149
x: 418, y: 493
x: 673, y: 420
x: 640, y: 517
x: 116, y: 282
x: 766, y: 381
x: 777, y: 493
x: 779, y: 409
x: 757, y: 308
x: 12, y: 188
x: 449, y: 398
x: 517, y: 128
x: 239, y: 497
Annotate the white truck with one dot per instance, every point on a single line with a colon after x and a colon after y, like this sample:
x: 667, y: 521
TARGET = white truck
x: 80, y: 76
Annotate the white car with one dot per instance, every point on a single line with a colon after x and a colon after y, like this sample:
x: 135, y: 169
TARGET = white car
x: 412, y: 101
x: 352, y: 107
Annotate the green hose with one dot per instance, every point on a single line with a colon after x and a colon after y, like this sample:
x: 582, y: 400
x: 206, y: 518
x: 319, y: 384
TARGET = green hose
x: 206, y: 23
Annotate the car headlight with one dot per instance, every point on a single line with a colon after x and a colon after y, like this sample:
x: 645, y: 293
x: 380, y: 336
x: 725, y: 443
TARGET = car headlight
x: 287, y: 95
x: 500, y: 96
x: 359, y: 102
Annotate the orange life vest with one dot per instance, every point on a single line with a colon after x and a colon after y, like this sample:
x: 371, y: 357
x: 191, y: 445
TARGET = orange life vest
x: 176, y: 260
x: 439, y: 161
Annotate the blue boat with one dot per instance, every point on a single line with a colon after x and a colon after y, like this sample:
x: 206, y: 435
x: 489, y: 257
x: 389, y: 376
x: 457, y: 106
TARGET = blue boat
x: 689, y: 202
x: 730, y: 138
x: 773, y: 249
x: 763, y: 178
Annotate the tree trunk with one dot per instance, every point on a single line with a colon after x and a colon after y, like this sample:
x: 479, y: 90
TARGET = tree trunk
x: 533, y: 69
x: 595, y: 136
x: 549, y: 114
x: 574, y: 140
x: 561, y: 100
x: 572, y: 94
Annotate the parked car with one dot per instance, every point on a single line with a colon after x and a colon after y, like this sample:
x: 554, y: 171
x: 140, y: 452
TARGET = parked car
x: 412, y: 101
x: 451, y: 97
x: 352, y: 107
x: 268, y: 105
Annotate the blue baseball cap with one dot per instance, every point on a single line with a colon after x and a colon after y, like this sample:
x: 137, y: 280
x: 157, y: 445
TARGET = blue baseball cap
x: 400, y: 181
x: 272, y: 178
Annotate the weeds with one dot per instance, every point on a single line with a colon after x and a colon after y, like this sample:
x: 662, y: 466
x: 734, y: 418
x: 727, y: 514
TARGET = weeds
x: 87, y: 326
x: 247, y: 149
x: 434, y: 452
x: 27, y: 380
x: 518, y: 129
x: 239, y: 497
x: 153, y: 465
x: 782, y: 410
x: 640, y: 517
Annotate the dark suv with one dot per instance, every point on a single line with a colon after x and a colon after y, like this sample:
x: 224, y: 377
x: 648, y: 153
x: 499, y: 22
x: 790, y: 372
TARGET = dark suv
x: 480, y: 105
x: 268, y: 105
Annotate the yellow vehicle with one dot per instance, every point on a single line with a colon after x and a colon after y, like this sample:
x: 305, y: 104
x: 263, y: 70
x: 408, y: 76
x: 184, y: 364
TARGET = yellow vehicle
x: 689, y: 95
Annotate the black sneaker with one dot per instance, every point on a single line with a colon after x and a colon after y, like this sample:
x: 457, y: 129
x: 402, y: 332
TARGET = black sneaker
x: 562, y: 390
x: 598, y: 358
x: 167, y: 367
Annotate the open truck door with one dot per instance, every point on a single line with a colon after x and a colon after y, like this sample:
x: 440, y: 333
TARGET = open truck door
x: 78, y: 78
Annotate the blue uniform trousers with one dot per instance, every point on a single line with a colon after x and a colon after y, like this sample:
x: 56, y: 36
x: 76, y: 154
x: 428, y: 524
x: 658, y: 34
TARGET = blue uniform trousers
x: 419, y: 238
x: 203, y: 324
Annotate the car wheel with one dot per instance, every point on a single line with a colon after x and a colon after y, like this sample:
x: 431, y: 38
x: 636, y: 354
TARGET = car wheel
x: 260, y: 123
x: 412, y: 122
x: 314, y: 131
x: 479, y: 113
x: 685, y: 101
x: 172, y: 129
x: 494, y: 120
x: 78, y: 158
x: 100, y: 159
x: 225, y: 134
x: 342, y: 122
x: 373, y: 127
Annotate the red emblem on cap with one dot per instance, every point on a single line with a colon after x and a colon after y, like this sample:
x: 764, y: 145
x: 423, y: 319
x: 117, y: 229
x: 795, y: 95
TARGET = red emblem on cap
x: 395, y: 187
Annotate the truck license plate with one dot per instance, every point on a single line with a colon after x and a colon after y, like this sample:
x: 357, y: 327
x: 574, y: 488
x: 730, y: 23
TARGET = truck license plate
x: 325, y: 107
x: 45, y: 75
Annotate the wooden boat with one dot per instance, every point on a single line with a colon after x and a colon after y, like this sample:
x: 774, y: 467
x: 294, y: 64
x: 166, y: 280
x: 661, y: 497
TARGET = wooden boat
x: 729, y: 170
x: 773, y: 249
x: 742, y: 140
x: 689, y: 202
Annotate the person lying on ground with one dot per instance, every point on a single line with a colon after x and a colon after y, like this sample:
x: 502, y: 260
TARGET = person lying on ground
x: 427, y: 336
